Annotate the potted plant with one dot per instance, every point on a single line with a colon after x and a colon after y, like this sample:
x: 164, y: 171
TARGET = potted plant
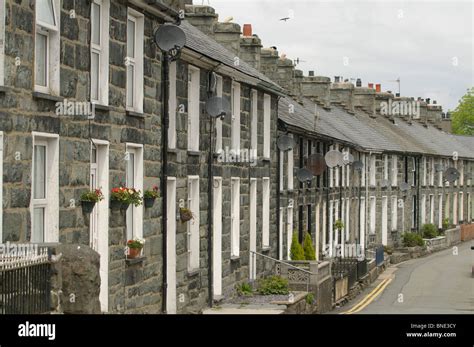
x: 149, y: 197
x: 121, y: 198
x: 134, y: 248
x: 89, y: 199
x: 185, y: 214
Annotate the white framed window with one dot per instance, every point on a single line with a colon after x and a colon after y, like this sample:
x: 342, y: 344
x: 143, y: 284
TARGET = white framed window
x: 373, y: 214
x: 440, y: 211
x: 394, y: 171
x: 100, y: 51
x: 461, y: 173
x: 44, y: 205
x: 432, y: 208
x: 347, y: 221
x: 289, y: 231
x: 447, y: 207
x: 413, y: 211
x: 235, y: 217
x: 2, y: 45
x: 134, y: 61
x: 193, y: 108
x: 432, y: 171
x: 267, y: 110
x: 362, y: 221
x: 424, y: 171
x: 413, y: 171
x: 363, y: 171
x: 348, y: 170
x: 440, y: 173
x: 134, y: 177
x: 455, y: 208
x: 423, y: 209
x: 394, y: 213
x: 384, y: 220
x: 290, y: 167
x: 47, y: 46
x: 469, y: 207
x: 254, y: 123
x: 336, y: 170
x: 235, y: 127
x: 193, y: 224
x: 461, y: 206
x: 385, y: 167
x: 266, y: 212
x: 219, y: 89
x: 172, y: 106
x: 282, y: 162
x: 373, y: 170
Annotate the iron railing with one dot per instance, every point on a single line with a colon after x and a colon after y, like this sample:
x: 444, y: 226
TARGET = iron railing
x: 25, y: 283
x: 353, y: 268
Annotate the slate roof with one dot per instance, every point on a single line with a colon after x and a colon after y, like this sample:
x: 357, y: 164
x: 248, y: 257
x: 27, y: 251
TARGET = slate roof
x: 199, y: 42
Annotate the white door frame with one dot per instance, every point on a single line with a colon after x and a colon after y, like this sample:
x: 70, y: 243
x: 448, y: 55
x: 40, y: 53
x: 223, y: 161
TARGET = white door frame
x: 253, y: 229
x: 217, y: 238
x: 171, y: 246
x: 102, y: 209
x: 384, y: 220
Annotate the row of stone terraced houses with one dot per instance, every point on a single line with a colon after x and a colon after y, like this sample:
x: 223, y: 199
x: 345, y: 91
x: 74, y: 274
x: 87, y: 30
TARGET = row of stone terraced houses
x: 55, y: 52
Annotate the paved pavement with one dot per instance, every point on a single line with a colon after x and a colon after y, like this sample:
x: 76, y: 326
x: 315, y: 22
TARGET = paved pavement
x: 440, y: 283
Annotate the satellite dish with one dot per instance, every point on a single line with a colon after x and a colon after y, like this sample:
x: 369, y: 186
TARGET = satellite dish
x: 404, y: 187
x: 358, y: 165
x: 385, y: 183
x: 304, y: 175
x: 451, y: 174
x: 333, y: 158
x: 285, y: 143
x: 316, y: 164
x: 439, y: 167
x: 218, y: 107
x: 169, y: 36
x: 347, y: 158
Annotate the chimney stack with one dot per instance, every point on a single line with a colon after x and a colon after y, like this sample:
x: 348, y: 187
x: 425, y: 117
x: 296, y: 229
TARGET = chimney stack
x: 364, y: 99
x: 250, y: 47
x: 202, y: 17
x: 286, y: 74
x: 268, y: 62
x: 342, y: 93
x: 317, y: 88
x: 382, y: 99
x: 228, y: 35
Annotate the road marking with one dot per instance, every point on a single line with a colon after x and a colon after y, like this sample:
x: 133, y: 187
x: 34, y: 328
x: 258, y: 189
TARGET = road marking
x: 370, y: 297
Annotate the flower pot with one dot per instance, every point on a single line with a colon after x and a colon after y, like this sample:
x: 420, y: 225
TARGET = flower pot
x: 87, y: 206
x: 124, y: 206
x: 185, y: 215
x: 115, y: 205
x: 149, y: 202
x: 134, y: 253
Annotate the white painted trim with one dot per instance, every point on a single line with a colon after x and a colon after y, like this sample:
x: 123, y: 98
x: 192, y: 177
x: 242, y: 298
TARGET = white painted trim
x: 384, y: 220
x: 139, y: 20
x: 254, y: 121
x: 219, y: 92
x: 194, y: 224
x: 267, y: 115
x: 289, y: 230
x: 280, y: 233
x: 217, y: 238
x: 136, y: 213
x: 2, y: 45
x: 253, y: 227
x: 266, y: 187
x: 171, y: 303
x: 235, y: 122
x: 194, y: 87
x: 235, y: 217
x: 51, y: 221
x: 173, y: 106
x: 394, y: 213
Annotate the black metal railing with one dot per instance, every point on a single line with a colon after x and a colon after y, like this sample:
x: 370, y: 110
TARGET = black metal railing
x: 352, y: 268
x: 25, y: 283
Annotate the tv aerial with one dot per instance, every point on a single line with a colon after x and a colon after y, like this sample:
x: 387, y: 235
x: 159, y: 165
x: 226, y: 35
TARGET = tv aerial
x: 170, y: 39
x: 218, y: 107
x: 285, y: 143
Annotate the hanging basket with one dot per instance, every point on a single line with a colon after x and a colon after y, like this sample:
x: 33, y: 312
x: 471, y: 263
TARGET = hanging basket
x: 134, y: 253
x: 115, y: 205
x: 124, y: 206
x: 87, y: 206
x: 185, y: 215
x: 149, y: 202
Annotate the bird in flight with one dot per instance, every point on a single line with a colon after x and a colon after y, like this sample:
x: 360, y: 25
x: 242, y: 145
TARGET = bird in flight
x: 285, y: 19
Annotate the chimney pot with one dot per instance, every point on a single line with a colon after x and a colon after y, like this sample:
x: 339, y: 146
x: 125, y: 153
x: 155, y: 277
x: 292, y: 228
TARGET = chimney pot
x: 435, y: 102
x: 336, y: 79
x: 371, y: 85
x: 311, y: 73
x: 358, y: 82
x: 428, y: 100
x: 378, y: 88
x: 247, y: 30
x: 397, y: 95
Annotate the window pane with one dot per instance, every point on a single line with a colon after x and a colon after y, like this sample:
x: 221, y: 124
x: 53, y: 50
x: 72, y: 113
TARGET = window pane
x: 39, y: 183
x: 94, y: 156
x: 41, y: 59
x: 131, y: 171
x: 95, y: 18
x: 131, y: 39
x: 130, y: 84
x: 45, y: 12
x: 95, y: 76
x: 38, y: 225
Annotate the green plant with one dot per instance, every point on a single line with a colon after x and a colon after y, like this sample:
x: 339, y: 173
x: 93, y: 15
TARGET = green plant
x: 446, y: 224
x: 244, y: 289
x: 339, y: 225
x: 388, y: 250
x: 310, y: 298
x: 429, y: 231
x: 92, y: 196
x: 309, y: 252
x: 185, y: 214
x: 151, y: 194
x: 296, y: 250
x: 127, y: 196
x: 412, y: 240
x: 136, y: 243
x: 274, y: 285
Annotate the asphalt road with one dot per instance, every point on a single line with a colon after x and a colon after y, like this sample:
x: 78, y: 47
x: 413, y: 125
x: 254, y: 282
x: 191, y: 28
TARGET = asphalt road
x: 440, y: 283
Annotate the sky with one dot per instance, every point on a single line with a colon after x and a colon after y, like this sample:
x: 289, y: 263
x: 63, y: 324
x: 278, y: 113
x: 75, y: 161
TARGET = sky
x: 427, y: 44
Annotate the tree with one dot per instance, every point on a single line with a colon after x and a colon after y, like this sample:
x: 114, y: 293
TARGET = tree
x: 309, y: 252
x: 462, y: 118
x: 296, y: 251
